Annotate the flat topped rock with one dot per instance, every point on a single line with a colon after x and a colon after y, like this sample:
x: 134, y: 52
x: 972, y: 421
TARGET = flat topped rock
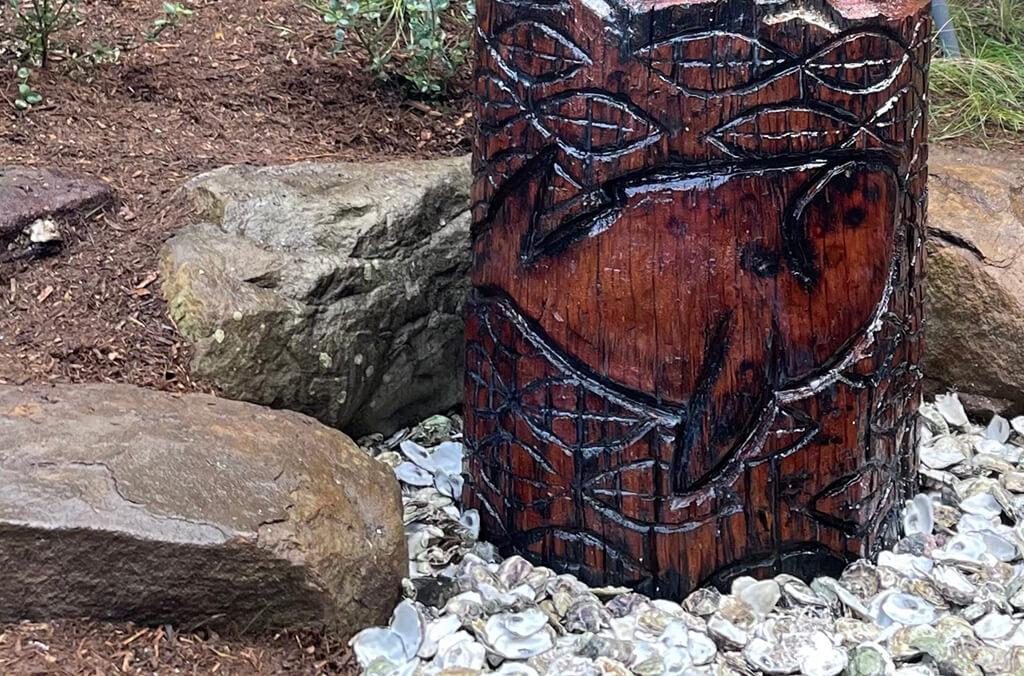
x: 122, y: 503
x: 29, y: 193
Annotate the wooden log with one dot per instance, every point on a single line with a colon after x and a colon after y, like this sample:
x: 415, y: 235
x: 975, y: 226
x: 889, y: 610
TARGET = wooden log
x: 694, y: 335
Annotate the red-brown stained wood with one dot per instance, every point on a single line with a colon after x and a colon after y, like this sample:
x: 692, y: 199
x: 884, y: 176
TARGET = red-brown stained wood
x: 693, y: 342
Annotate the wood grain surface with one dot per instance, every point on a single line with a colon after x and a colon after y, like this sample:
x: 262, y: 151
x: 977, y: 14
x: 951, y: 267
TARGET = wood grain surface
x: 693, y: 342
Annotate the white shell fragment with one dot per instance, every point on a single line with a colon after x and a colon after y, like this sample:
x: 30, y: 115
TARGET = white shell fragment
x: 981, y: 504
x: 760, y: 596
x: 376, y: 644
x: 44, y: 231
x: 907, y: 609
x: 951, y: 409
x: 998, y: 429
x: 410, y: 474
x: 460, y: 651
x: 948, y: 598
x: 943, y: 452
x: 994, y: 626
x: 407, y: 623
x: 918, y: 516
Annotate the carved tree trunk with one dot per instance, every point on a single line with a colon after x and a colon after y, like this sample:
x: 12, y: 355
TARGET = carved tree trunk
x: 693, y: 342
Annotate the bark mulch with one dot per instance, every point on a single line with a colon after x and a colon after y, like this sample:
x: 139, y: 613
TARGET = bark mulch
x: 101, y: 649
x: 241, y: 81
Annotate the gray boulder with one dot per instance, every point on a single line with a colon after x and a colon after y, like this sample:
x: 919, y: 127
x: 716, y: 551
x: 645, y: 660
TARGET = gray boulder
x: 331, y: 289
x: 126, y: 504
x: 974, y: 297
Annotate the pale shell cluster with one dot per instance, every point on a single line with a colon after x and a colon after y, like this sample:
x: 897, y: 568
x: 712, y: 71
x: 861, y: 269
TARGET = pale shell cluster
x: 947, y: 599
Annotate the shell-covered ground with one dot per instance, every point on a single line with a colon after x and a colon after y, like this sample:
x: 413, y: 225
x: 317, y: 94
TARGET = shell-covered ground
x: 947, y: 599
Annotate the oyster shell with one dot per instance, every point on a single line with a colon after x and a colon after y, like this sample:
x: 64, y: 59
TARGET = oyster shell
x: 760, y: 596
x: 948, y: 596
x: 906, y: 609
x: 518, y: 635
x: 919, y: 516
x: 951, y: 409
x: 994, y: 626
x: 998, y: 429
x: 703, y: 602
x: 376, y: 644
x: 460, y: 651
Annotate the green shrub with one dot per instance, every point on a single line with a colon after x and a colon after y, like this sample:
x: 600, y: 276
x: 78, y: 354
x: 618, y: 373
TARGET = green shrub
x: 420, y: 42
x: 174, y: 14
x: 30, y: 25
x: 28, y: 29
x: 27, y: 96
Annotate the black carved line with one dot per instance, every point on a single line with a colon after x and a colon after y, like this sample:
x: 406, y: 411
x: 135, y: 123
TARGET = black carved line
x: 540, y: 164
x: 486, y: 299
x: 581, y: 536
x: 614, y: 194
x: 494, y: 41
x: 837, y: 488
x: 797, y: 248
x: 802, y: 559
x: 788, y: 62
x: 716, y: 350
x: 547, y: 109
x: 829, y: 111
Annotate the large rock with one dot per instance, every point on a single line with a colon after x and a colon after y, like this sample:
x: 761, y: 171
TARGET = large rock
x: 975, y: 281
x: 331, y: 289
x: 29, y: 193
x: 121, y: 503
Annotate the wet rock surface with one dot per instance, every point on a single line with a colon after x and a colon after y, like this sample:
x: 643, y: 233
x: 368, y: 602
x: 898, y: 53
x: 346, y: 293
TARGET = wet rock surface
x: 974, y: 292
x: 331, y: 289
x: 122, y: 503
x: 28, y: 194
x: 947, y: 599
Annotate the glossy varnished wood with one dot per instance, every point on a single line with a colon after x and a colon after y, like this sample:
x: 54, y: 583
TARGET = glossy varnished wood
x: 693, y: 341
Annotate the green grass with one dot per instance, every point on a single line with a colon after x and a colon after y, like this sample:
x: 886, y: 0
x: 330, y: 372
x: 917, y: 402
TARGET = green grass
x: 980, y: 96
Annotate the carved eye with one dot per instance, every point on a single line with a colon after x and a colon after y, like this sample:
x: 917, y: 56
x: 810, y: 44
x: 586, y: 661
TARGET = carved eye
x: 712, y: 62
x: 500, y: 103
x: 841, y: 504
x: 782, y: 130
x: 596, y: 123
x: 859, y: 64
x: 642, y: 474
x: 535, y: 52
x: 562, y: 412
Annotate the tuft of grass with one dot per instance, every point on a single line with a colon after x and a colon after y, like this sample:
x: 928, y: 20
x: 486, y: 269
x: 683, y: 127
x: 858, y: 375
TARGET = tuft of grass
x: 980, y: 20
x: 980, y: 96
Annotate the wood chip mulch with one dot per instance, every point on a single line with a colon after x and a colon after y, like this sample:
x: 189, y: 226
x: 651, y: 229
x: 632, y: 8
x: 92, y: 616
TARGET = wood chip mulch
x: 248, y: 81
x: 241, y: 81
x: 96, y: 648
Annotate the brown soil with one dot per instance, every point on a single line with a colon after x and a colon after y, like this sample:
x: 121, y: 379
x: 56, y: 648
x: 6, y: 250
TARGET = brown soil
x: 101, y: 649
x: 241, y: 81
